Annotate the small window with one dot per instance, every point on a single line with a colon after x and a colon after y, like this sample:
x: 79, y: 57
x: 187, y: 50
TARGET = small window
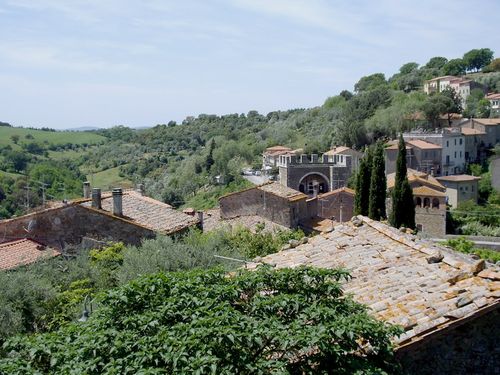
x: 472, y: 188
x: 460, y: 153
x: 435, y: 203
x: 447, y: 143
x: 455, y: 142
x: 461, y: 140
x: 455, y: 154
x: 427, y: 202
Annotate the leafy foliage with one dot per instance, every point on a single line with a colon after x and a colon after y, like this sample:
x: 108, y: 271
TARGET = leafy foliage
x: 465, y: 246
x: 287, y: 321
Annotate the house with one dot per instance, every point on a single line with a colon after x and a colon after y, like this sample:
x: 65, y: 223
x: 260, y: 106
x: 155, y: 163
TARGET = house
x: 475, y: 150
x: 126, y: 216
x: 22, y: 252
x: 337, y: 205
x: 460, y: 188
x: 489, y: 126
x: 420, y: 155
x: 272, y: 201
x: 270, y: 156
x: 452, y: 143
x: 313, y: 174
x: 429, y: 199
x: 494, y: 100
x: 334, y: 153
x: 462, y: 86
x: 446, y: 302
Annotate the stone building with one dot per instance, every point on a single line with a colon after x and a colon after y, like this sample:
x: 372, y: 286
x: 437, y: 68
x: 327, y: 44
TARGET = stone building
x: 356, y: 156
x: 420, y: 155
x: 271, y: 156
x: 462, y: 86
x: 313, y: 174
x: 475, y: 149
x: 337, y: 205
x: 460, y: 188
x: 446, y: 302
x: 489, y: 126
x: 452, y: 144
x: 125, y: 216
x: 272, y: 201
x: 429, y: 199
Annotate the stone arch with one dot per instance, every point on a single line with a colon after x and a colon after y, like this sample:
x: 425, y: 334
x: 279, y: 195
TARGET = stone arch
x: 435, y: 203
x: 418, y: 202
x: 314, y: 183
x: 427, y: 202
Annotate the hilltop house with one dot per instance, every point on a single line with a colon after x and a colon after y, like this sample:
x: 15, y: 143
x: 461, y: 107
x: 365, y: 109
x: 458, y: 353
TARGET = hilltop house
x: 494, y: 100
x: 462, y: 86
x: 489, y: 129
x: 446, y: 302
x: 334, y: 153
x: 460, y: 188
x: 126, y: 216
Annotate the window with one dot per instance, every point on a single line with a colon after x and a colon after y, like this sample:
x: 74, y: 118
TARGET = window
x: 455, y: 154
x: 461, y: 140
x: 455, y: 141
x: 435, y: 203
x: 418, y: 202
x: 472, y: 188
x: 447, y: 143
x: 427, y: 202
x: 460, y: 153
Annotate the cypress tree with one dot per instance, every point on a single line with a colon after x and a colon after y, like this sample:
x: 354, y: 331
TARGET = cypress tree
x: 209, y: 161
x: 403, y: 208
x: 378, y: 185
x: 361, y: 199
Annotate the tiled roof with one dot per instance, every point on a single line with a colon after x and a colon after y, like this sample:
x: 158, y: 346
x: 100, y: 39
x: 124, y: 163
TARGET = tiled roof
x: 488, y: 121
x: 278, y: 148
x: 459, y: 177
x: 402, y: 279
x: 279, y: 190
x: 443, y: 77
x: 341, y: 150
x: 492, y: 96
x: 423, y: 144
x: 336, y: 191
x: 470, y: 131
x: 416, y: 176
x: 425, y: 190
x: 148, y: 212
x: 21, y: 252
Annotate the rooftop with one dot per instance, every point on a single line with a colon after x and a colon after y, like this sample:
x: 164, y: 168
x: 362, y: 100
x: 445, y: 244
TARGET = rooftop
x: 341, y: 149
x: 443, y: 77
x: 404, y: 280
x: 488, y: 121
x: 492, y: 96
x: 21, y: 252
x: 213, y: 221
x: 147, y: 212
x: 416, y: 176
x: 337, y: 191
x: 427, y: 191
x: 470, y: 131
x: 459, y: 177
x: 424, y: 145
x: 279, y: 190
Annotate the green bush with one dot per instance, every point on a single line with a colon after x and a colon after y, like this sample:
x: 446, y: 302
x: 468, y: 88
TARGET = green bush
x: 465, y: 246
x: 288, y: 321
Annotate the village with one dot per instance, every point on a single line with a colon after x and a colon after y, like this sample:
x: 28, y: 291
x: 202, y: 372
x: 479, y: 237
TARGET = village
x: 447, y: 302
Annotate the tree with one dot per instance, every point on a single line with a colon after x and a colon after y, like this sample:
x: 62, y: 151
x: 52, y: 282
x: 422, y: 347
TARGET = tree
x: 289, y: 321
x: 363, y: 179
x: 494, y: 66
x: 15, y: 138
x: 403, y: 208
x: 476, y: 105
x: 477, y: 59
x: 370, y: 82
x: 378, y: 185
x: 346, y: 94
x: 454, y: 67
x: 436, y: 62
x: 456, y: 107
x: 408, y: 68
x: 436, y: 105
x: 209, y: 161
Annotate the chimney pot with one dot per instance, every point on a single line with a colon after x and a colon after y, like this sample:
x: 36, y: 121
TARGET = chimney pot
x: 96, y: 198
x: 86, y: 190
x: 117, y: 202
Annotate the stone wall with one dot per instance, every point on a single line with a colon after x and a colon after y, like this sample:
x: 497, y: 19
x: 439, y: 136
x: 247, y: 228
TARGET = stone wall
x: 470, y: 349
x: 335, y: 176
x: 329, y: 206
x: 270, y: 206
x: 431, y: 221
x: 69, y: 224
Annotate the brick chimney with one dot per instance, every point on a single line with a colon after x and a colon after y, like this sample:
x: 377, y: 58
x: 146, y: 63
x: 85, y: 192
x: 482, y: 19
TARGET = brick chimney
x: 117, y: 202
x: 86, y: 190
x: 96, y: 198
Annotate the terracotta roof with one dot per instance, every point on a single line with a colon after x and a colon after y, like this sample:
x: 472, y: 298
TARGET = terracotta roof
x: 404, y: 280
x: 21, y: 252
x: 492, y: 96
x: 416, y: 176
x: 341, y: 150
x: 278, y: 148
x: 443, y: 77
x: 488, y: 121
x: 424, y: 145
x: 425, y: 190
x: 470, y: 131
x: 148, y: 212
x: 279, y: 190
x: 213, y: 221
x: 459, y: 177
x: 340, y: 190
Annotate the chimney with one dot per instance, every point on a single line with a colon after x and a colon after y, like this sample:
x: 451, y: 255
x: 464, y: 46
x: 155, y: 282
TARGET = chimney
x: 200, y: 218
x: 140, y: 189
x: 86, y: 190
x: 117, y: 202
x: 96, y: 198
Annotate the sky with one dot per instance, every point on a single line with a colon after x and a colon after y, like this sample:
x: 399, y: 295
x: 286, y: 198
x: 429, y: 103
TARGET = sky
x: 74, y: 63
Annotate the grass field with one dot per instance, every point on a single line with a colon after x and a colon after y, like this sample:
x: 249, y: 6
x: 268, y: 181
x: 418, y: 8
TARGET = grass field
x: 8, y: 174
x: 109, y: 179
x: 57, y: 138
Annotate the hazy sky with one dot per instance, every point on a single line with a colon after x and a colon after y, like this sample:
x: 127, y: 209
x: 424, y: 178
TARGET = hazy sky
x: 70, y: 63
